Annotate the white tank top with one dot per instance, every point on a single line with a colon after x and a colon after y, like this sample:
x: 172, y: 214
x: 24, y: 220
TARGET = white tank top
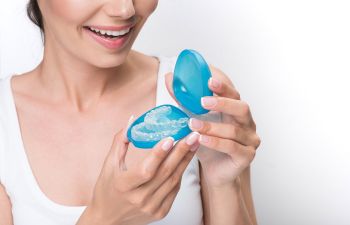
x: 30, y: 206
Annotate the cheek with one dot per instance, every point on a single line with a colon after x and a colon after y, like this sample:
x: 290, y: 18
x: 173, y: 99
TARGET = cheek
x: 145, y: 7
x: 67, y: 11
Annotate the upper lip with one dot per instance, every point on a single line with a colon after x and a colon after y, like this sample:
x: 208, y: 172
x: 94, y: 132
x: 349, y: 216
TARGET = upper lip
x: 112, y: 28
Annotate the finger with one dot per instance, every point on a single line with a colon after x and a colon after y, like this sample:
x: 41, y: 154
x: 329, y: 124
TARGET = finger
x: 163, y: 197
x: 223, y: 88
x: 123, y: 151
x: 168, y: 83
x: 241, y: 155
x: 169, y: 86
x: 172, y: 162
x: 236, y: 108
x: 112, y: 158
x: 166, y: 204
x: 173, y: 181
x: 224, y: 130
x: 136, y: 176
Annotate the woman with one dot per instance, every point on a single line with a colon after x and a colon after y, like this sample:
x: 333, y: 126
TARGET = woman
x: 57, y: 123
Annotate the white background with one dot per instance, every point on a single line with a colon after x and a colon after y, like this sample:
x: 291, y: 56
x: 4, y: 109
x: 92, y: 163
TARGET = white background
x: 290, y: 59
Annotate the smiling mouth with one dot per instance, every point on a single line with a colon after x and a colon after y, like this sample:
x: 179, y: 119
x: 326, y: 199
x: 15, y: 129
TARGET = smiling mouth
x: 109, y: 34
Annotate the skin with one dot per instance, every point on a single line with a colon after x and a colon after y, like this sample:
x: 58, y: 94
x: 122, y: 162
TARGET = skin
x: 73, y: 104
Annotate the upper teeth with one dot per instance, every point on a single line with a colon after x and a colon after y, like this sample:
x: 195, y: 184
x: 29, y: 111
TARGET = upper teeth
x: 111, y: 32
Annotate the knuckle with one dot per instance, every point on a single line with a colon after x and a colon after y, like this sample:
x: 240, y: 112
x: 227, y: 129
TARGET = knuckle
x: 149, y: 211
x: 222, y: 103
x: 257, y: 142
x: 145, y: 174
x: 138, y: 200
x: 166, y: 171
x: 237, y: 94
x: 243, y: 163
x: 245, y: 108
x: 175, y: 180
x: 177, y: 186
x: 233, y: 147
x: 158, y: 154
x: 206, y: 127
x: 162, y: 212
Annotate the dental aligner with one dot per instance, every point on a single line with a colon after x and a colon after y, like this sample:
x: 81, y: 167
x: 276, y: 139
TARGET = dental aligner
x: 157, y: 126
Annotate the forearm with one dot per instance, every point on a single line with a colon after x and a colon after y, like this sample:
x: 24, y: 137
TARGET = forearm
x: 90, y: 217
x: 5, y: 207
x: 227, y: 207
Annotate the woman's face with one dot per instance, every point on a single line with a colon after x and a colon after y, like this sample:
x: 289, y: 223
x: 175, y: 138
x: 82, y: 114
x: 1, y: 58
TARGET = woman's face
x: 99, y: 32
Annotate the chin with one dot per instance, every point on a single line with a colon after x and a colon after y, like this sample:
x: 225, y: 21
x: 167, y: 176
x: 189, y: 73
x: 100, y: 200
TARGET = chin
x: 108, y: 61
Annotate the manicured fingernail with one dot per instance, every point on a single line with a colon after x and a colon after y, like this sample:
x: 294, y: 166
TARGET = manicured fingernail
x: 214, y: 83
x: 130, y: 120
x: 127, y: 127
x: 196, y: 124
x: 168, y: 144
x: 208, y: 101
x: 192, y: 138
x: 204, y: 139
x: 195, y: 147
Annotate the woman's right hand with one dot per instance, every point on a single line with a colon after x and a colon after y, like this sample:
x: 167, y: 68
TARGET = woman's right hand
x: 143, y: 193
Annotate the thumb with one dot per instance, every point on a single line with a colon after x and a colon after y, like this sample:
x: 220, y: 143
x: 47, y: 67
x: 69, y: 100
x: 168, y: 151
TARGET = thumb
x: 169, y: 86
x: 168, y: 83
x: 119, y: 147
x: 122, y: 151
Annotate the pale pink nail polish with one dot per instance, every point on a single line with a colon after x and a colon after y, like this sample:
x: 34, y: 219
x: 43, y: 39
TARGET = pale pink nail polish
x: 192, y: 138
x: 127, y: 127
x: 168, y: 144
x: 208, y: 101
x: 215, y: 83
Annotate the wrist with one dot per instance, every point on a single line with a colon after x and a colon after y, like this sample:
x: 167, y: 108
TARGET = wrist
x: 93, y: 217
x: 226, y: 204
x: 234, y: 186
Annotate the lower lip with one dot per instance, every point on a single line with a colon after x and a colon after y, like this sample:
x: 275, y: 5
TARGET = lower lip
x: 109, y: 43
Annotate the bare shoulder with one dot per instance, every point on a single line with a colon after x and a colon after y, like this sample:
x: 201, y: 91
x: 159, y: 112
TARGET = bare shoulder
x: 144, y: 62
x: 5, y: 207
x: 24, y: 83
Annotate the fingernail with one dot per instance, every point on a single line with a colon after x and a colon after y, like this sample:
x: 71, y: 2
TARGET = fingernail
x: 127, y: 127
x: 204, y: 139
x: 214, y: 82
x: 168, y: 144
x: 208, y: 101
x: 192, y: 138
x: 196, y: 124
x: 195, y: 147
x: 130, y: 120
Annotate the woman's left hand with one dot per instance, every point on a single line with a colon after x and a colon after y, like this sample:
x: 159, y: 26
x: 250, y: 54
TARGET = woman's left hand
x: 230, y: 146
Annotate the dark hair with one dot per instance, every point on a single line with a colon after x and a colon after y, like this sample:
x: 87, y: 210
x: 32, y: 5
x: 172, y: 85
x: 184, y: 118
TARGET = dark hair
x: 34, y: 14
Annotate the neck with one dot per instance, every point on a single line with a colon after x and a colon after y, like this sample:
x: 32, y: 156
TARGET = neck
x: 77, y: 82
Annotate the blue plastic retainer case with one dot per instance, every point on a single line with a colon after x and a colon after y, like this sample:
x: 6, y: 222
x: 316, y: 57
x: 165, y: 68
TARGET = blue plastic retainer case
x: 190, y: 84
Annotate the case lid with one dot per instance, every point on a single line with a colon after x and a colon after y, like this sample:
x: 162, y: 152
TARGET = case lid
x: 190, y: 82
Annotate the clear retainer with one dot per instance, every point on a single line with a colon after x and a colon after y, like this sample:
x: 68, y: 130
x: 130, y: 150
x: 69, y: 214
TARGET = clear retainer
x: 157, y: 125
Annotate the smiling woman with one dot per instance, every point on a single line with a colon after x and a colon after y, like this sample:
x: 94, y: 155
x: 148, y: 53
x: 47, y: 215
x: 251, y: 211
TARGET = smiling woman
x: 64, y: 153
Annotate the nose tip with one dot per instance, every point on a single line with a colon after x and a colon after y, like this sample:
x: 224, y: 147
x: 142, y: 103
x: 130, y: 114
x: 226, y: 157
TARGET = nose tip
x: 120, y: 8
